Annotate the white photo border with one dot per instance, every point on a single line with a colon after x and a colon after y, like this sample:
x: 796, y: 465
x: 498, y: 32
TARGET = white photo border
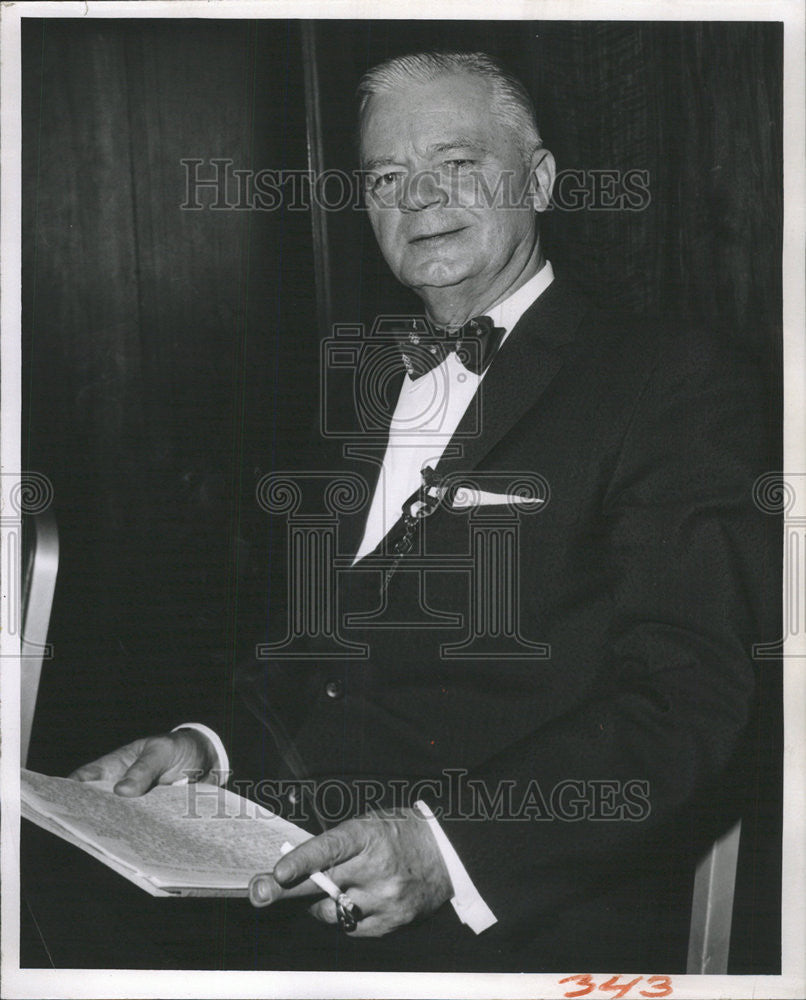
x: 107, y: 983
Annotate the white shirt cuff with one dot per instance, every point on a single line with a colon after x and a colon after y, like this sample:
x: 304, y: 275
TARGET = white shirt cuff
x: 470, y: 907
x: 220, y: 771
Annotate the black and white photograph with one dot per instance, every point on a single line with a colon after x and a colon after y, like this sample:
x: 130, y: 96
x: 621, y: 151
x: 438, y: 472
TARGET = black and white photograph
x: 403, y: 499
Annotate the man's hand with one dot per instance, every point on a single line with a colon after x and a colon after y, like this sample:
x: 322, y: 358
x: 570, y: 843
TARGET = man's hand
x: 155, y: 760
x: 389, y: 864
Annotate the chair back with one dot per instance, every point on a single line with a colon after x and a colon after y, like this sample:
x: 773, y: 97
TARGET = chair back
x: 40, y: 565
x: 712, y: 906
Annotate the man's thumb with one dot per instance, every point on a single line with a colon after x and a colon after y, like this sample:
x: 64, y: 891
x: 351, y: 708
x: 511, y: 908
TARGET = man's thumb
x: 143, y: 774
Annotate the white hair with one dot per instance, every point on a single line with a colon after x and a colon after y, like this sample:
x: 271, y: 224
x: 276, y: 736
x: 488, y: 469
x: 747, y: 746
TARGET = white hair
x: 510, y: 100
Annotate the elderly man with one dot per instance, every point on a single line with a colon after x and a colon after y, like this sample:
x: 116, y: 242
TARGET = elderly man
x: 561, y: 766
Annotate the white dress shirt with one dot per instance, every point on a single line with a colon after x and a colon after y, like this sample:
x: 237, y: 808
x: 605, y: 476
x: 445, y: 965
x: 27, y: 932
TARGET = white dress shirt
x: 427, y: 413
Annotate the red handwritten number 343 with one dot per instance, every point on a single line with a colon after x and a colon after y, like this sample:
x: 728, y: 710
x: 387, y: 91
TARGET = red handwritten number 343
x: 661, y: 986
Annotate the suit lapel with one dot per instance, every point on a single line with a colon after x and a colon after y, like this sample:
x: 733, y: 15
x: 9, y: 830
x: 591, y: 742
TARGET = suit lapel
x: 525, y: 367
x: 365, y: 457
x: 352, y: 524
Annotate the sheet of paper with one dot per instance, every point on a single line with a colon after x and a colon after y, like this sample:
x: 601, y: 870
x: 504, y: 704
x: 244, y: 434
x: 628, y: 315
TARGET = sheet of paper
x: 193, y: 836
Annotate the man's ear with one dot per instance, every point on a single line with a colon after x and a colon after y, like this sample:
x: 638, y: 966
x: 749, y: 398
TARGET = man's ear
x: 541, y: 178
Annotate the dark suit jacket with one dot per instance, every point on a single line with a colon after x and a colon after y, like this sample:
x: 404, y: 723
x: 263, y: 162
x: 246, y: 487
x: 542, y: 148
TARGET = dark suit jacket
x: 648, y: 576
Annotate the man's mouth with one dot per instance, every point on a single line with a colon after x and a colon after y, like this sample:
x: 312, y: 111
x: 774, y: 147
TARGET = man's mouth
x: 427, y: 237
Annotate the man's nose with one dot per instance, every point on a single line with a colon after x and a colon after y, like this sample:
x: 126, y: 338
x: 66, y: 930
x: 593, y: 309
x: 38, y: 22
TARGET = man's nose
x: 422, y: 190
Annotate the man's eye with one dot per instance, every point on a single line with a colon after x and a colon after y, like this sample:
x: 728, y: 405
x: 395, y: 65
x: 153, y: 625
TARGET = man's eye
x: 458, y: 164
x: 381, y: 181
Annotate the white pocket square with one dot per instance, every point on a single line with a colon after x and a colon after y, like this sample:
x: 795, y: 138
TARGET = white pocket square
x: 467, y: 497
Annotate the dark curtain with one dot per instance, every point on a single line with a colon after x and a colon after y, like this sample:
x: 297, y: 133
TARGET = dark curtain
x: 170, y: 356
x: 163, y: 348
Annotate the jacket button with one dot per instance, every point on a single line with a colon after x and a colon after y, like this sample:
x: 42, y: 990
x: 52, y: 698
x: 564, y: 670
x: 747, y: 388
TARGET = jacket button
x: 334, y: 689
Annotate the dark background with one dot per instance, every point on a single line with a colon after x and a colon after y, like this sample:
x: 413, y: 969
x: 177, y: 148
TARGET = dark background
x: 171, y: 357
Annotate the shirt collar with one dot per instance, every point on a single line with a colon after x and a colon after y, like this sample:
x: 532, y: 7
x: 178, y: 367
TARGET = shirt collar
x: 508, y: 312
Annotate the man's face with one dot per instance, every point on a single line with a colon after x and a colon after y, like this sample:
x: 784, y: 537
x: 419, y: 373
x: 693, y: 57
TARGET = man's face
x: 431, y: 151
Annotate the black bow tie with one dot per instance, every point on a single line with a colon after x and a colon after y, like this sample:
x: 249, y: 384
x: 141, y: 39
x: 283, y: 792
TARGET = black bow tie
x: 423, y: 348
